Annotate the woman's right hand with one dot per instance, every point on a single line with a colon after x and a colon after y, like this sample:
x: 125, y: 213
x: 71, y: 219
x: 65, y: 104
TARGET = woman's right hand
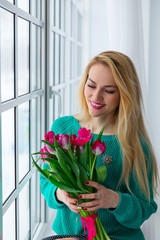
x: 65, y: 198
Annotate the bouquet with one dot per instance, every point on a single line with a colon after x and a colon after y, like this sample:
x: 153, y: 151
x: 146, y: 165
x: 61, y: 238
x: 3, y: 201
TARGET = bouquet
x: 72, y: 161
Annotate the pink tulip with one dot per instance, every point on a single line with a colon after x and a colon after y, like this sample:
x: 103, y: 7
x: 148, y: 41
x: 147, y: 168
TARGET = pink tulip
x: 49, y: 135
x: 63, y: 140
x: 44, y: 150
x: 83, y: 138
x: 98, y: 147
x: 49, y: 149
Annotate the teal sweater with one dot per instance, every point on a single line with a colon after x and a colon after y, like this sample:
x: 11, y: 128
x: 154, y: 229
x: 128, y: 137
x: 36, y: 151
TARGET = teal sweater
x: 122, y: 223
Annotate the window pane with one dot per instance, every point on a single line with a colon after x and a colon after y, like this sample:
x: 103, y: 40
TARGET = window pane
x: 72, y: 20
x: 53, y: 6
x: 7, y: 55
x: 8, y: 145
x: 36, y: 8
x: 57, y: 58
x: 35, y: 200
x: 9, y: 223
x: 24, y: 213
x: 36, y: 57
x: 79, y: 61
x: 72, y: 62
x: 52, y: 60
x: 10, y: 1
x: 35, y: 125
x: 62, y: 60
x: 79, y: 27
x: 24, y: 4
x: 23, y: 56
x: 23, y: 139
x: 62, y: 15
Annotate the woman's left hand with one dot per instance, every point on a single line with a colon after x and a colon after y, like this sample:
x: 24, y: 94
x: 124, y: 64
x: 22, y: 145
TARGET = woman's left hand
x: 103, y: 198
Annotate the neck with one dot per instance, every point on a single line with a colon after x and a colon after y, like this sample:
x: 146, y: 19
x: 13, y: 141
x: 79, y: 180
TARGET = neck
x: 96, y: 124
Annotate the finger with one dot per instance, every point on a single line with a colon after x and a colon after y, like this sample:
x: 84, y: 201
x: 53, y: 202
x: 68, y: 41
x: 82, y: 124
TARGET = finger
x: 73, y: 208
x: 88, y: 196
x: 93, y: 184
x: 95, y: 208
x: 90, y: 204
x: 72, y: 200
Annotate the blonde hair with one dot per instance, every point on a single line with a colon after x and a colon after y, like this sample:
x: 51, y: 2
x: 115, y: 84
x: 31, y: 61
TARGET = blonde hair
x: 130, y: 125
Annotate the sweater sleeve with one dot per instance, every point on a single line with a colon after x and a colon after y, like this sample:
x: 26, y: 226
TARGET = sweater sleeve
x: 134, y: 209
x: 47, y: 188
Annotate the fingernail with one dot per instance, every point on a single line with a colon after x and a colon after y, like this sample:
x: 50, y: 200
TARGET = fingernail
x: 85, y: 209
x: 80, y: 196
x: 76, y: 201
x: 86, y: 182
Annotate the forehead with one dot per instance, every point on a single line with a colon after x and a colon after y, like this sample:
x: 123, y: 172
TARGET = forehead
x: 101, y: 73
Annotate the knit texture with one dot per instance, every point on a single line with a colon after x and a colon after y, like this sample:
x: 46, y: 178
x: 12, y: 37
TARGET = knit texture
x: 122, y: 223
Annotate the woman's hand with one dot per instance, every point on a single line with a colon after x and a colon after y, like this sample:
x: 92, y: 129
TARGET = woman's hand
x: 103, y: 198
x: 65, y: 198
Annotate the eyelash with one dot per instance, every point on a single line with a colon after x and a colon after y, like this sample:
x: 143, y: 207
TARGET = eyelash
x: 111, y: 92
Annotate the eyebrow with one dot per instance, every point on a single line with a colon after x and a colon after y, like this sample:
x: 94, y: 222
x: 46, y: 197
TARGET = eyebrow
x: 104, y: 86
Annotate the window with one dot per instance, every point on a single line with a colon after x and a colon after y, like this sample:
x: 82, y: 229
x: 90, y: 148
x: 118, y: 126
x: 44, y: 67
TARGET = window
x: 40, y: 68
x: 22, y: 115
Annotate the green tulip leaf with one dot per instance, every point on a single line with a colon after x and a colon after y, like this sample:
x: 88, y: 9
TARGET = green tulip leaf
x: 101, y: 132
x: 101, y: 173
x: 49, y: 144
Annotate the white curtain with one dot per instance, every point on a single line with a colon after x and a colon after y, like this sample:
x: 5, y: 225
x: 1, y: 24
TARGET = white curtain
x: 132, y: 27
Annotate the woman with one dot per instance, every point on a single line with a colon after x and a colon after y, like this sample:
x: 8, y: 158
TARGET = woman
x: 110, y: 95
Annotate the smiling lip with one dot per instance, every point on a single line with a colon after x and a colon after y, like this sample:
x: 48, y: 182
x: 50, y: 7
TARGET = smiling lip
x: 96, y: 105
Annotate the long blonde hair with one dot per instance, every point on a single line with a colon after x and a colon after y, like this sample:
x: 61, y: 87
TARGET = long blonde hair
x: 130, y: 124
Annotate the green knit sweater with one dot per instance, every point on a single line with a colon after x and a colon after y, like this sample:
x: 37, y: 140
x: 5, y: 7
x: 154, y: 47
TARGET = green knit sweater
x: 122, y: 223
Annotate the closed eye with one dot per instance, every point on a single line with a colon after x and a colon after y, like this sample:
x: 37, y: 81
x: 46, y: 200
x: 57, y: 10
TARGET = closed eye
x: 91, y: 86
x: 111, y: 92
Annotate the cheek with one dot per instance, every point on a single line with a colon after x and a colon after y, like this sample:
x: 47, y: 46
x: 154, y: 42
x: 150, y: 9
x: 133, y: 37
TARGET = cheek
x: 114, y: 100
x: 86, y: 93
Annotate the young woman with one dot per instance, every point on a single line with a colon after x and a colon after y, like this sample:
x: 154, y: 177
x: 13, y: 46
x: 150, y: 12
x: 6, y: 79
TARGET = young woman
x: 110, y: 95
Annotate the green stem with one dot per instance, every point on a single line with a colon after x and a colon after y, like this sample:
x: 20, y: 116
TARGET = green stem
x: 99, y: 230
x: 104, y: 232
x: 93, y: 165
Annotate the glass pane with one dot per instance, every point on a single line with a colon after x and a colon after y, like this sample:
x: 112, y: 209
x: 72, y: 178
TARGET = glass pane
x: 35, y: 200
x: 9, y: 223
x: 24, y: 213
x: 8, y: 151
x: 36, y: 57
x: 23, y: 56
x: 79, y: 27
x: 62, y: 106
x: 51, y: 112
x: 36, y: 8
x: 23, y: 139
x: 7, y: 55
x: 62, y: 60
x: 72, y: 62
x: 57, y: 10
x: 72, y: 20
x: 53, y: 7
x: 52, y: 60
x: 79, y: 61
x: 24, y: 4
x: 57, y: 58
x: 62, y: 16
x: 35, y: 125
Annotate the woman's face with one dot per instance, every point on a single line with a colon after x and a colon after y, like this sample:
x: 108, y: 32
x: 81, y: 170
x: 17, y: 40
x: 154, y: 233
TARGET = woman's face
x: 101, y: 92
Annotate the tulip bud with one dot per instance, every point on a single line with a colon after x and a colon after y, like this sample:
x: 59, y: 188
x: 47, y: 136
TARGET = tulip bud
x: 98, y: 147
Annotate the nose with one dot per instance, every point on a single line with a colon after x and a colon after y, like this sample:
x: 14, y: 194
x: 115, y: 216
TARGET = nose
x: 98, y: 96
